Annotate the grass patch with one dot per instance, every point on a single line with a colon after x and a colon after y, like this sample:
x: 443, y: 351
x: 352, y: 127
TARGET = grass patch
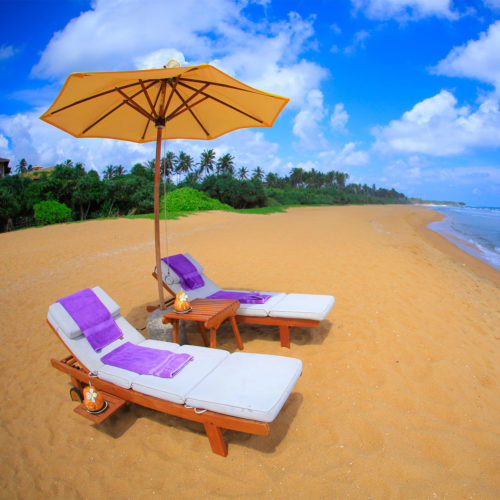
x: 185, y: 201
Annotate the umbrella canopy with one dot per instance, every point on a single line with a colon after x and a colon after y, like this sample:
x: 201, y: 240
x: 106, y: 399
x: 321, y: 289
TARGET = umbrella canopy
x: 192, y: 102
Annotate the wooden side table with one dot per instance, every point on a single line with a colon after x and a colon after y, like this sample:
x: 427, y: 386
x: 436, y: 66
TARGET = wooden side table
x: 209, y: 314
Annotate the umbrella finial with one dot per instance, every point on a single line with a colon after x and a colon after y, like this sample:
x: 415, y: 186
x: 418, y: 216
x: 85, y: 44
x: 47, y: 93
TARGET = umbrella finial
x: 172, y: 63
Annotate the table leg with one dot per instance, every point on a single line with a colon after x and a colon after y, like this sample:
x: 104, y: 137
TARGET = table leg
x: 176, y: 331
x: 236, y: 332
x: 203, y: 332
x: 213, y: 341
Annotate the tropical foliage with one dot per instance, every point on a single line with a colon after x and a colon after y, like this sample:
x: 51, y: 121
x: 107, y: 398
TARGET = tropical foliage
x: 218, y: 181
x: 51, y: 212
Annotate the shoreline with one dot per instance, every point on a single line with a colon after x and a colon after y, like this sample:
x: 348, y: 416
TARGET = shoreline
x: 399, y: 392
x: 476, y: 265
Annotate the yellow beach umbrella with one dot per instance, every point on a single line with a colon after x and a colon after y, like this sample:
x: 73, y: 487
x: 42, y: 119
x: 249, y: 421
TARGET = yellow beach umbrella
x: 191, y: 102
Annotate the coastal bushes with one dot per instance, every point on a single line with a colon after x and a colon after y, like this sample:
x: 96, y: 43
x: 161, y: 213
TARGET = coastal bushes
x: 187, y: 199
x: 51, y: 212
x: 238, y: 193
x: 210, y: 184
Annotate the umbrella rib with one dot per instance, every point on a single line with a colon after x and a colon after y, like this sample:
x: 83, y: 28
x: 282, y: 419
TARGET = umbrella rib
x: 192, y: 112
x: 184, y: 103
x: 106, y: 92
x: 134, y: 105
x: 181, y: 110
x: 154, y: 107
x: 225, y: 104
x: 173, y: 86
x: 102, y: 117
x: 111, y: 111
x: 253, y: 91
x: 145, y: 91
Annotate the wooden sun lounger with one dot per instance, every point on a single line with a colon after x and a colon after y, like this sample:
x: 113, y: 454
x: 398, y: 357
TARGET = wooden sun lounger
x: 215, y: 424
x: 211, y: 381
x: 284, y: 323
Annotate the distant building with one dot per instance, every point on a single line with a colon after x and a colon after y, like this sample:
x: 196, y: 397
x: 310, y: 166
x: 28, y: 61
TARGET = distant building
x: 37, y: 172
x: 4, y: 167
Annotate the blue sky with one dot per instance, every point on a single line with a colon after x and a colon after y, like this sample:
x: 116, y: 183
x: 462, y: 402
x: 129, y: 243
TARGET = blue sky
x: 397, y: 93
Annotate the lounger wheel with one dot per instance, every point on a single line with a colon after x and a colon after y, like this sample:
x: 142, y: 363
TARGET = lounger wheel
x: 75, y: 393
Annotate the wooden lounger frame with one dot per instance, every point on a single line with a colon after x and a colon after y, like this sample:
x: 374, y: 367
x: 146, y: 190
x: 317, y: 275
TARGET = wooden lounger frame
x: 215, y: 423
x: 284, y: 323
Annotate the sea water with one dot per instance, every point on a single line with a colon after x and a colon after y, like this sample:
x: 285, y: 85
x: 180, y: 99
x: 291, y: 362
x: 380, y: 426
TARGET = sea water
x: 473, y: 229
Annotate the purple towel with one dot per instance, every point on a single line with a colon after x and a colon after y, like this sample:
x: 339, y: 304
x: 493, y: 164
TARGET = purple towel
x: 185, y: 269
x: 146, y: 360
x: 93, y: 318
x: 243, y: 297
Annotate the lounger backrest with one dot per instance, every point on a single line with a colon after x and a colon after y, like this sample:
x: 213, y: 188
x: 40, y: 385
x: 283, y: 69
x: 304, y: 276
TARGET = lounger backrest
x: 173, y: 281
x: 72, y: 336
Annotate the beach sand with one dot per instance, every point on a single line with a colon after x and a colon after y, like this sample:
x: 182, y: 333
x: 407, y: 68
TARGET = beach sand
x: 399, y: 396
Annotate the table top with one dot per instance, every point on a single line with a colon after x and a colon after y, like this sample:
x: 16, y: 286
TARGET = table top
x: 207, y: 311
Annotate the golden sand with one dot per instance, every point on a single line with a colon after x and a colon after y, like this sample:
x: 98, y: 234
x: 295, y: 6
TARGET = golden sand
x: 400, y: 393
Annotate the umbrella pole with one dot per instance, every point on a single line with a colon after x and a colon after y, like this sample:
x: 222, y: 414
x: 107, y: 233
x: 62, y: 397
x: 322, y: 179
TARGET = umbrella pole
x: 157, y: 218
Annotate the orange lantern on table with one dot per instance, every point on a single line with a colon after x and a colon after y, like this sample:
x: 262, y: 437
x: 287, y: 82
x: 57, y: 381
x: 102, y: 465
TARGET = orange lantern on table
x: 181, y: 303
x: 94, y: 402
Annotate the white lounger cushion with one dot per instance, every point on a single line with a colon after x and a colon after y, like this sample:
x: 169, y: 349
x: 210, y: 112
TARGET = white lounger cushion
x: 261, y: 310
x: 304, y: 306
x: 68, y: 324
x: 176, y: 389
x: 253, y: 386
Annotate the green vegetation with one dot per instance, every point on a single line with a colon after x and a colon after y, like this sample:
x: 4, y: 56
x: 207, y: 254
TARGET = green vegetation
x: 190, y: 200
x: 419, y: 201
x: 211, y: 184
x: 51, y: 212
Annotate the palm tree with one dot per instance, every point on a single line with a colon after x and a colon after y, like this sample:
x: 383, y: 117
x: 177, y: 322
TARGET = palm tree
x: 341, y: 178
x: 297, y: 177
x: 225, y: 164
x: 119, y: 170
x: 167, y: 164
x: 258, y: 173
x: 242, y: 173
x: 22, y: 166
x: 109, y: 172
x: 207, y: 161
x: 272, y: 180
x: 184, y: 163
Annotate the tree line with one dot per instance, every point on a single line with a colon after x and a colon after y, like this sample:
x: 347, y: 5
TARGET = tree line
x: 119, y: 192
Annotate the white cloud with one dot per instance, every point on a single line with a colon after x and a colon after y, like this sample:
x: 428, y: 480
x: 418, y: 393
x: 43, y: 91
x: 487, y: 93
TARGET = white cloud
x: 403, y: 174
x: 159, y: 58
x: 307, y: 123
x: 494, y: 4
x: 114, y: 32
x: 405, y: 9
x: 478, y: 59
x: 6, y: 52
x: 358, y: 42
x: 339, y: 117
x: 438, y: 127
x: 4, y: 146
x: 346, y: 157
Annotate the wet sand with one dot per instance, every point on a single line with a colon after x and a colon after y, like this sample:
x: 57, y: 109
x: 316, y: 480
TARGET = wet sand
x: 400, y: 393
